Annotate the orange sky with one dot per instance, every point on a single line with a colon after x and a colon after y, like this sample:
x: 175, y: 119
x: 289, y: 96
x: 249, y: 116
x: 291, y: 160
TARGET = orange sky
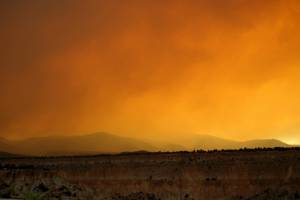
x: 151, y: 68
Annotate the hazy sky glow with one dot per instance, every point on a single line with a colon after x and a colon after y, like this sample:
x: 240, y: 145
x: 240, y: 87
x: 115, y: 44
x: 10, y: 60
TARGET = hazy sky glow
x: 140, y: 68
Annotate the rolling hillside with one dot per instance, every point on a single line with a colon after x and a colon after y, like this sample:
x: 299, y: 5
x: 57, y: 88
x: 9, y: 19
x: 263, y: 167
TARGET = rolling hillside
x: 108, y: 143
x: 86, y: 144
x: 208, y: 142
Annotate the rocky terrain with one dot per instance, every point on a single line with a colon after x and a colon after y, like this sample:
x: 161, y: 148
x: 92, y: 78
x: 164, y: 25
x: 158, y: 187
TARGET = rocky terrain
x: 261, y: 174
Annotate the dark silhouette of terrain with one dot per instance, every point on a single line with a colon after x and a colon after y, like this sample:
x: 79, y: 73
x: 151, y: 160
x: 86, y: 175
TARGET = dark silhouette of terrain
x: 86, y: 144
x: 246, y: 174
x: 208, y: 142
x: 108, y: 143
x: 6, y: 154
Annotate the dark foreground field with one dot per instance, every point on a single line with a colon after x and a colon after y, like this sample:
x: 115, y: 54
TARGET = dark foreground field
x: 230, y: 175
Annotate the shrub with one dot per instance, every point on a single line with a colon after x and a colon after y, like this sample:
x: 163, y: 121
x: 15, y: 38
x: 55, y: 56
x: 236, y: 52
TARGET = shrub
x: 33, y: 196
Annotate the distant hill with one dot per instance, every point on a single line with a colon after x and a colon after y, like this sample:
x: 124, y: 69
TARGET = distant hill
x: 269, y: 143
x: 108, y: 143
x: 211, y: 142
x: 6, y: 154
x: 172, y: 147
x: 4, y: 145
x: 208, y: 142
x: 86, y: 144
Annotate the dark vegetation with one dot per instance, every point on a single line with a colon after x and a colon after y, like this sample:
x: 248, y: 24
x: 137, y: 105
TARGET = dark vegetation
x: 260, y: 149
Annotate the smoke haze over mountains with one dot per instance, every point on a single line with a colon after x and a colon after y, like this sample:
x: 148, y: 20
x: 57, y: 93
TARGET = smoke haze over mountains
x: 150, y: 68
x: 98, y: 143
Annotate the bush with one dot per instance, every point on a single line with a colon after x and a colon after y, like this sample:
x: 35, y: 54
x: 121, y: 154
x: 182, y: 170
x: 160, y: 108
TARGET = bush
x: 33, y: 196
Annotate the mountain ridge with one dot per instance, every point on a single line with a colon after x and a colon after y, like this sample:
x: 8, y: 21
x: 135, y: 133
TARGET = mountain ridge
x: 103, y: 142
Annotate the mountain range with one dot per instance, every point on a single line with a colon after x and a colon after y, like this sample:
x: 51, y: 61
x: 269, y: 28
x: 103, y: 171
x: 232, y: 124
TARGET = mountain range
x: 102, y: 142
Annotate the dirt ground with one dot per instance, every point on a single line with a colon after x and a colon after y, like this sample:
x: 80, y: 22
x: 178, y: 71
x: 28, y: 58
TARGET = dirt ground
x: 218, y: 175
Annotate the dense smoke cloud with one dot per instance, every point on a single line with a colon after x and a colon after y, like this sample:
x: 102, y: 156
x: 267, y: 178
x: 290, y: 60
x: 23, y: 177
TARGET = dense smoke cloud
x: 228, y: 68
